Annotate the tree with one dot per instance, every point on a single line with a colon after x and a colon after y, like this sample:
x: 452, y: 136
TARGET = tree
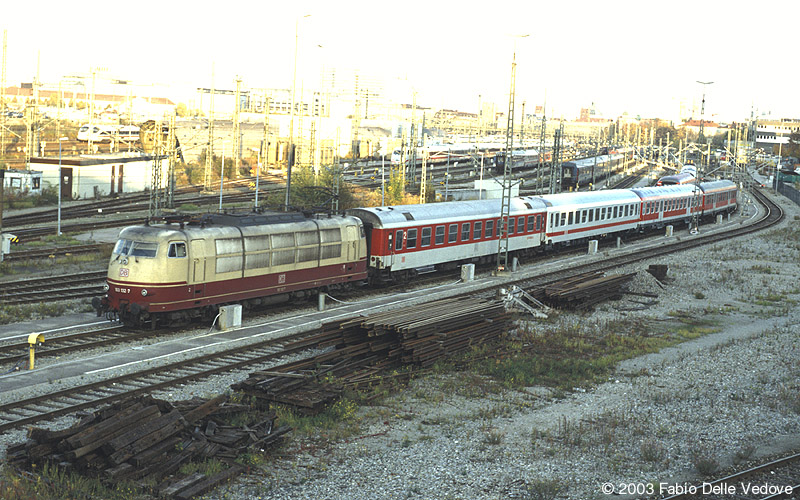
x: 792, y: 148
x: 181, y: 110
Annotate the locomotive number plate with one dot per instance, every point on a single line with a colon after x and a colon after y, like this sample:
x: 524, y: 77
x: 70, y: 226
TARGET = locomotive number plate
x: 123, y: 272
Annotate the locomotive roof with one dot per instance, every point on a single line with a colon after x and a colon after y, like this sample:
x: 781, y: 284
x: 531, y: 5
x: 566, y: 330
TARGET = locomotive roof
x: 402, y: 214
x: 609, y: 196
x: 250, y: 218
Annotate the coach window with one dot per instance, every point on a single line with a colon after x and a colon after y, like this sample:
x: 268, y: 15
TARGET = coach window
x: 426, y: 237
x: 452, y: 236
x: 497, y: 227
x: 177, y: 249
x: 476, y: 233
x: 531, y: 222
x: 398, y: 240
x: 489, y: 229
x: 512, y: 225
x: 465, y: 231
x: 569, y: 220
x: 439, y: 235
x: 411, y: 241
x: 563, y: 220
x: 538, y: 222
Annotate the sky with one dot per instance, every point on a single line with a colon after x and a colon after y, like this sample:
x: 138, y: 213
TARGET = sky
x: 638, y: 57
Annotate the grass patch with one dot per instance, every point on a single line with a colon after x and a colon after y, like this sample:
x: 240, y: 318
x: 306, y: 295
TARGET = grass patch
x: 24, y: 312
x: 339, y: 420
x: 52, y: 482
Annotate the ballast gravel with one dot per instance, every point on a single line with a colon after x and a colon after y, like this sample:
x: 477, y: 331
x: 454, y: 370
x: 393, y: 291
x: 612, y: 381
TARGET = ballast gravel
x: 659, y: 420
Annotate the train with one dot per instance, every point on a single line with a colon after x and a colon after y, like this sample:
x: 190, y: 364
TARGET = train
x: 106, y: 133
x: 679, y: 179
x: 187, y: 267
x: 583, y: 172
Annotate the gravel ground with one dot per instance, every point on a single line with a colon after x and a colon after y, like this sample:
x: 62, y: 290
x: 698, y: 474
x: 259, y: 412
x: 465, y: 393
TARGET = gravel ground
x: 706, y: 403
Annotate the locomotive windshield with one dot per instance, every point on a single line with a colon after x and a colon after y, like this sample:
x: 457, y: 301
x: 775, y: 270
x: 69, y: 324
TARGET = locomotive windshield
x: 136, y: 248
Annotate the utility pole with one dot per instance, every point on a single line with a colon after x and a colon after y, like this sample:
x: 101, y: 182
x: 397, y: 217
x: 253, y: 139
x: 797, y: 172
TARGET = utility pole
x: 207, y: 174
x: 700, y: 137
x: 505, y: 210
x: 540, y: 166
x: 172, y: 151
x: 155, y: 177
x: 3, y: 100
x: 237, y: 151
x: 555, y: 163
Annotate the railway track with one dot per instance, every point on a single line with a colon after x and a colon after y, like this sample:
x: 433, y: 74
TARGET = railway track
x: 770, y: 481
x: 58, y: 403
x: 11, y: 353
x: 41, y: 253
x: 52, y: 288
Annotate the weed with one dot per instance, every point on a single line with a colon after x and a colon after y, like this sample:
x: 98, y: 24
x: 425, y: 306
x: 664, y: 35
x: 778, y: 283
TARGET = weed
x: 543, y: 489
x: 704, y: 462
x: 493, y: 437
x: 652, y: 451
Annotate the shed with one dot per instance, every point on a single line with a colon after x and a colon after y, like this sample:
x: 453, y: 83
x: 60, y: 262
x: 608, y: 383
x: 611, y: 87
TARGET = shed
x: 92, y: 176
x: 23, y: 181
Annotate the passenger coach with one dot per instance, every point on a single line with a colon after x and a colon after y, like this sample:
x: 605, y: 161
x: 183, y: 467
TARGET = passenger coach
x: 405, y: 239
x: 573, y: 217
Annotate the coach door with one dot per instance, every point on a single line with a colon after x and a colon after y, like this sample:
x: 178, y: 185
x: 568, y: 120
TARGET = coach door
x: 66, y: 183
x: 351, y: 239
x: 198, y: 261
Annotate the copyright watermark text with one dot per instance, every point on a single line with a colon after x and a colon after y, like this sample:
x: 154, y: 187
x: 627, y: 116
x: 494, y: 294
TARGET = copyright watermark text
x: 741, y: 488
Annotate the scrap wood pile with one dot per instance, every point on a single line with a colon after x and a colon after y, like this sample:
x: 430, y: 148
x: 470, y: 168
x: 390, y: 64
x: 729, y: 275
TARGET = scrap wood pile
x: 364, y: 350
x: 582, y: 291
x: 146, y: 441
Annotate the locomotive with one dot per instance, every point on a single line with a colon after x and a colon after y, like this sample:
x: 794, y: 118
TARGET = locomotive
x: 186, y: 268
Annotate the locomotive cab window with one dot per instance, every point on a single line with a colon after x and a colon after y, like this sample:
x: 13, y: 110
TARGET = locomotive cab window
x: 177, y: 249
x: 136, y: 248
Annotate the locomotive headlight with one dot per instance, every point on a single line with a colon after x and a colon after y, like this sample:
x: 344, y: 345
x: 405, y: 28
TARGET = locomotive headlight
x: 105, y: 287
x: 144, y: 292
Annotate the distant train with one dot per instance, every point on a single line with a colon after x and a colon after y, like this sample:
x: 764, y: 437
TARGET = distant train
x: 107, y: 133
x: 578, y: 173
x: 679, y: 179
x: 188, y: 267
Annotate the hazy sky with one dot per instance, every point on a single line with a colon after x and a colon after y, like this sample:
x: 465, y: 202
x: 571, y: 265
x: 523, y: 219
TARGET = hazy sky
x: 640, y: 56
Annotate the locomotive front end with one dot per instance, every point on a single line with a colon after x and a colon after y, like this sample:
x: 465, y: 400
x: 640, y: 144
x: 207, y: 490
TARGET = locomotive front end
x: 147, y: 270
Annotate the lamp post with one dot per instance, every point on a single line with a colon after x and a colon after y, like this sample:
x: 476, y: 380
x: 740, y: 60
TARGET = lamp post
x: 291, y: 155
x: 60, y: 181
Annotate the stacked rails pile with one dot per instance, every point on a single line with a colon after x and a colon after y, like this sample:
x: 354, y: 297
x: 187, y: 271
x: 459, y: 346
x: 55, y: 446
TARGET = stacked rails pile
x: 363, y: 351
x: 147, y: 440
x: 583, y: 291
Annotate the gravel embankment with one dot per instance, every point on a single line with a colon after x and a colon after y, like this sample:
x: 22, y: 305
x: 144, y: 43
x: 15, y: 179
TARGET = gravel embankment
x: 707, y: 403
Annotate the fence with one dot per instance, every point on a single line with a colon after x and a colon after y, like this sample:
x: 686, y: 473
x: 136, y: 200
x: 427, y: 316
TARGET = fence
x: 789, y: 191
